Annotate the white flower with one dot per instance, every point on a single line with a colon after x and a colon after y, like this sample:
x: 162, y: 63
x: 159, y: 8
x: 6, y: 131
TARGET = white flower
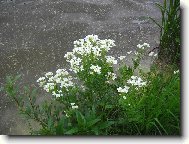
x: 72, y: 104
x: 69, y: 55
x: 60, y: 91
x: 136, y: 53
x: 110, y: 43
x: 62, y: 72
x: 155, y: 55
x: 126, y: 87
x: 139, y: 46
x: 124, y: 97
x: 119, y: 89
x: 66, y: 82
x: 76, y: 42
x: 96, y: 69
x: 123, y: 90
x: 75, y: 64
x: 175, y: 72
x: 49, y: 87
x: 151, y: 53
x: 75, y: 61
x: 58, y: 80
x: 91, y: 37
x: 57, y: 94
x: 129, y: 52
x: 96, y: 51
x: 111, y: 75
x: 51, y: 79
x: 143, y: 46
x: 111, y: 60
x: 41, y: 81
x: 142, y: 83
x: 134, y: 77
x: 66, y: 114
x: 146, y: 44
x: 136, y: 81
x: 48, y: 74
x: 75, y: 107
x: 106, y: 44
x: 122, y: 57
x: 114, y: 76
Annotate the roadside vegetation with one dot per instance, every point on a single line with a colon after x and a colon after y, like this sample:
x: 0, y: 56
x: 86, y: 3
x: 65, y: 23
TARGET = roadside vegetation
x: 101, y: 95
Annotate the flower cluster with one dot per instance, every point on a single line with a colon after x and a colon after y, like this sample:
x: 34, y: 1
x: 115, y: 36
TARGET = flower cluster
x: 175, y: 72
x: 111, y: 75
x: 95, y: 69
x: 91, y: 47
x: 84, y: 59
x: 41, y: 81
x: 136, y: 81
x: 57, y: 83
x: 74, y: 106
x: 123, y: 90
x: 111, y: 60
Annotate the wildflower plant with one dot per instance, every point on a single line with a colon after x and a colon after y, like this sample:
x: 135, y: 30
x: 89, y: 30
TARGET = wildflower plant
x: 93, y: 95
x: 94, y: 70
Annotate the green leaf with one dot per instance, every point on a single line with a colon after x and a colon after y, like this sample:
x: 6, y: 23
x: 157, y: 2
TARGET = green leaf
x: 156, y: 22
x: 91, y: 123
x: 80, y: 119
x: 108, y: 106
x: 106, y: 124
x: 33, y: 95
x: 60, y: 127
x: 72, y: 131
x: 95, y: 130
x: 28, y: 109
x: 161, y: 125
x: 50, y: 123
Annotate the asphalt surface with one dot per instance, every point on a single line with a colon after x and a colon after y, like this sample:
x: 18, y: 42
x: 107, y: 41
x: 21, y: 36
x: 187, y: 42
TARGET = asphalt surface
x: 35, y: 35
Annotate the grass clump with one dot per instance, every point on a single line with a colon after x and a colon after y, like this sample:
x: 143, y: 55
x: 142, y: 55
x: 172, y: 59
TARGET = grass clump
x: 170, y: 28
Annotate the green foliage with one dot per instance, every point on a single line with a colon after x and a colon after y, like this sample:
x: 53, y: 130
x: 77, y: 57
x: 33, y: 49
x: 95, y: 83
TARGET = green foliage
x: 170, y: 36
x: 156, y: 109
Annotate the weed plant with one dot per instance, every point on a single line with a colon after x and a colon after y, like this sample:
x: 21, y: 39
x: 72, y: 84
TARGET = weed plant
x: 102, y: 95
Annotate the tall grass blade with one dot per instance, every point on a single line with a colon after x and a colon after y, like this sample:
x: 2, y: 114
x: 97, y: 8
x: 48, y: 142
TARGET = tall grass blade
x: 161, y: 125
